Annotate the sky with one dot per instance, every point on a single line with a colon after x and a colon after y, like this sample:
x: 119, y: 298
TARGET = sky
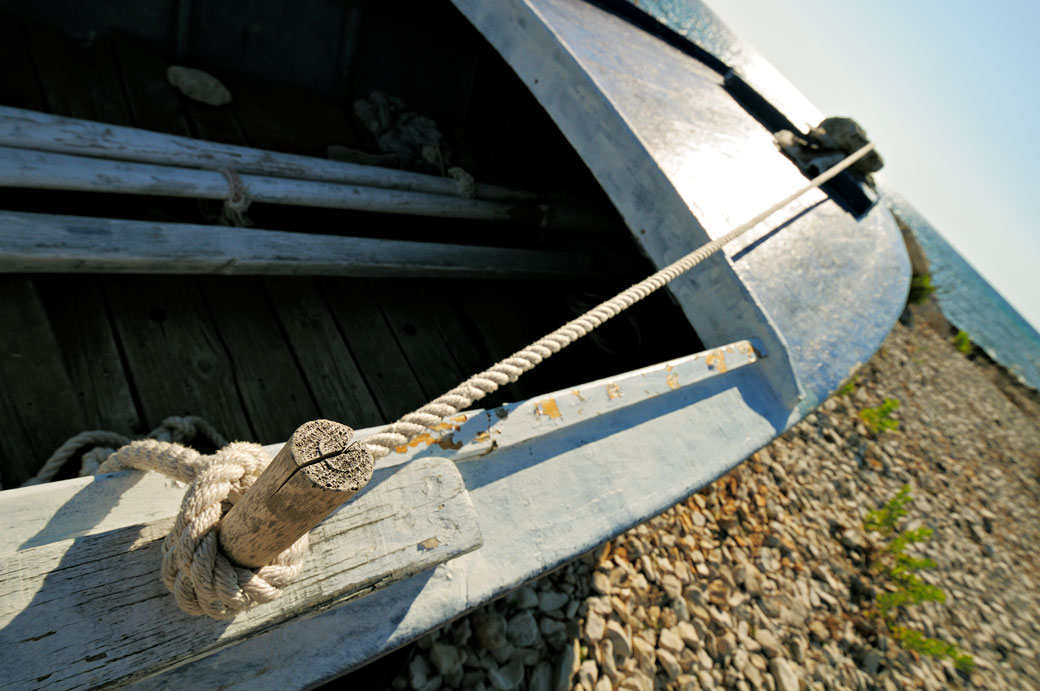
x: 950, y: 93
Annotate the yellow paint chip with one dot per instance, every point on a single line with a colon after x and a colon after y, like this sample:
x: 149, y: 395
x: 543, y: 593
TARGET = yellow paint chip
x: 613, y: 391
x: 548, y: 407
x: 429, y: 543
x: 716, y: 360
x: 482, y: 437
x: 673, y: 381
x: 578, y: 394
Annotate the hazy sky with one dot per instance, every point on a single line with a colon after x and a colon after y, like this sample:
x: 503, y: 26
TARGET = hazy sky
x: 949, y: 90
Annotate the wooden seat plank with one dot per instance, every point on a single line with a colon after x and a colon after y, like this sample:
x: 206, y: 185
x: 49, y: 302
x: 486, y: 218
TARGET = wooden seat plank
x: 178, y: 363
x: 268, y: 379
x: 332, y: 376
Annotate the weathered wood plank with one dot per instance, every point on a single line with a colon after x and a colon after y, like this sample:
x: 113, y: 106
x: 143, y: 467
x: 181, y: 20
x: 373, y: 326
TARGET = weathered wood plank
x: 42, y: 405
x: 328, y: 366
x: 80, y: 323
x: 91, y: 611
x: 75, y: 136
x: 267, y: 378
x: 377, y: 352
x: 44, y: 243
x: 179, y: 365
x: 46, y: 170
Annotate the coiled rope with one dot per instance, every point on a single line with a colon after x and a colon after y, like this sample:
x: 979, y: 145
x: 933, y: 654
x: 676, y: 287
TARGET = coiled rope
x: 203, y: 580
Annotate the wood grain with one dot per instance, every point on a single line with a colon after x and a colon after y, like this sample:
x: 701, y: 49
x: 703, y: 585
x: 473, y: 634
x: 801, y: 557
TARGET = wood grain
x: 332, y: 375
x: 370, y: 339
x: 91, y: 611
x: 80, y: 323
x: 314, y: 473
x: 268, y: 380
x: 42, y: 408
x: 178, y: 362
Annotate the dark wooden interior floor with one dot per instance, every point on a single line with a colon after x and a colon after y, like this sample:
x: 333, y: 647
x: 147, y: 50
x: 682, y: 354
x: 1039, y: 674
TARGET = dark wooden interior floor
x: 254, y: 356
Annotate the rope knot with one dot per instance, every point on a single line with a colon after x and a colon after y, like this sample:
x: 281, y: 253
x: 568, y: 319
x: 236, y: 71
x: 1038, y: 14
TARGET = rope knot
x: 194, y: 568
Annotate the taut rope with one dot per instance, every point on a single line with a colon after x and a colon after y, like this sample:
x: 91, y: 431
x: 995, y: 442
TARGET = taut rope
x: 194, y: 569
x: 480, y: 385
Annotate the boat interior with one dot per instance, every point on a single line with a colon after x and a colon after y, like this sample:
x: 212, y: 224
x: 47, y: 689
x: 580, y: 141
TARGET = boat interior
x: 258, y: 355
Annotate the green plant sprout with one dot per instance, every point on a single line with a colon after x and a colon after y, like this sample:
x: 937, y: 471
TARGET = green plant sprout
x: 879, y: 419
x: 962, y: 343
x: 849, y: 387
x: 921, y: 289
x: 899, y: 571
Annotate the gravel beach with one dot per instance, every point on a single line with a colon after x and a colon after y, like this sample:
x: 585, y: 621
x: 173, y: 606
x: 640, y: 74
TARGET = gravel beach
x: 762, y: 579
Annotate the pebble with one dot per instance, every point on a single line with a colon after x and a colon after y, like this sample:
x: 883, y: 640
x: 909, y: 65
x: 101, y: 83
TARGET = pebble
x: 758, y: 581
x: 522, y: 629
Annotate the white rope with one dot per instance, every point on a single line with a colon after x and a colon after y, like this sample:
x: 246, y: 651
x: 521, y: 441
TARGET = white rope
x: 237, y: 202
x: 480, y: 385
x: 103, y: 444
x: 194, y: 567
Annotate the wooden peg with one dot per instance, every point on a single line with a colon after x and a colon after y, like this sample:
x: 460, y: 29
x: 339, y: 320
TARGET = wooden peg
x: 316, y: 471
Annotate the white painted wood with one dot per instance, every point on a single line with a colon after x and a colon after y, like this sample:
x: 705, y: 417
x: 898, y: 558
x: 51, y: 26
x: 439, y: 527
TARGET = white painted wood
x: 43, y: 170
x: 91, y: 611
x: 42, y: 514
x: 34, y: 130
x: 44, y: 243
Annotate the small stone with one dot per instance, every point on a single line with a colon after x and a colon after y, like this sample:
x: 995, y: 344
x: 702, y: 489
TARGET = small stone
x: 707, y: 682
x: 555, y: 632
x: 567, y: 666
x: 601, y: 583
x: 541, y: 677
x: 595, y: 626
x: 686, y: 682
x: 507, y: 678
x: 671, y: 641
x: 490, y: 630
x: 551, y: 600
x: 526, y: 598
x: 819, y: 631
x: 588, y: 673
x: 637, y: 681
x: 522, y: 629
x: 725, y: 645
x: 198, y: 85
x: 446, y: 659
x: 669, y: 663
x: 672, y: 586
x: 418, y: 672
x: 783, y: 675
x: 765, y: 638
x: 619, y: 638
x: 604, y: 684
x: 718, y: 593
x: 688, y: 634
x: 646, y: 656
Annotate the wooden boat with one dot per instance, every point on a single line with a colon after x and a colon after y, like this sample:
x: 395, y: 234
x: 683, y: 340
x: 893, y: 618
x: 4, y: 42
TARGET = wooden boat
x: 745, y: 346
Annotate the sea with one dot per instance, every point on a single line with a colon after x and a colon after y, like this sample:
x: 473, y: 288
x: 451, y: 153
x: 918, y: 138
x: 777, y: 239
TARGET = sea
x: 969, y: 302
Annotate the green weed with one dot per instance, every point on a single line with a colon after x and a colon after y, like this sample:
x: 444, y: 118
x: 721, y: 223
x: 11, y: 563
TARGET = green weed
x: 962, y: 343
x: 921, y: 289
x: 879, y: 419
x: 904, y: 588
